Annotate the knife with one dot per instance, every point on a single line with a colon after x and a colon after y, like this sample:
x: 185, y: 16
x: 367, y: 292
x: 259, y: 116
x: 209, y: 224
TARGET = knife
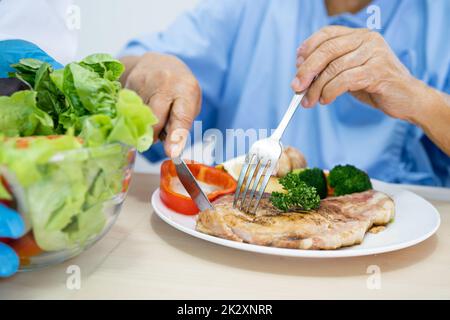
x: 191, y: 185
x: 188, y: 180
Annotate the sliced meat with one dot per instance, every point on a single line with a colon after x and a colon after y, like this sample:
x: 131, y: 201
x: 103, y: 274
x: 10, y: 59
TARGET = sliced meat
x: 339, y: 222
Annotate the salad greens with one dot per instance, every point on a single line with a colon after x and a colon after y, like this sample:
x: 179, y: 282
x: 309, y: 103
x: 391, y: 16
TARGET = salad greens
x: 21, y: 117
x: 83, y: 96
x: 64, y: 186
x: 63, y: 141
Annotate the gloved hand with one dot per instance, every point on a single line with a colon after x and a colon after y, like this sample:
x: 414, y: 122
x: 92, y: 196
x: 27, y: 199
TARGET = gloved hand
x: 11, y: 226
x: 11, y: 51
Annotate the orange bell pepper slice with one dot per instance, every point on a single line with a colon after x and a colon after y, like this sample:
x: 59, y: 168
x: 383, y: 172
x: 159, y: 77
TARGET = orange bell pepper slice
x: 184, y: 204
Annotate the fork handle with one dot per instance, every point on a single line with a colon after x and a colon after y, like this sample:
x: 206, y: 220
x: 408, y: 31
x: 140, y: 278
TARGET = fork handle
x: 288, y: 115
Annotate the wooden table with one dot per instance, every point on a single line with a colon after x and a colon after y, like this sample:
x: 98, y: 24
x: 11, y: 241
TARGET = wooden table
x: 144, y: 258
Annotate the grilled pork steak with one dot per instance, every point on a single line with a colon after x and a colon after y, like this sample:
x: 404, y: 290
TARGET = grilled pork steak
x: 339, y: 222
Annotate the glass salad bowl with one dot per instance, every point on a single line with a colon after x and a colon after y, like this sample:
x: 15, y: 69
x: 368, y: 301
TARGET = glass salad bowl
x: 68, y: 202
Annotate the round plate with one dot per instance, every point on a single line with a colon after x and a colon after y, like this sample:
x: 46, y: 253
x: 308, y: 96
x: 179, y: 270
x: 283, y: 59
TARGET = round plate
x: 415, y: 221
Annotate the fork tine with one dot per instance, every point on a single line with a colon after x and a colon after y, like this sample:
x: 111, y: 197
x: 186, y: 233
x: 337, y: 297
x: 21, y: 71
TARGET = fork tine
x: 242, y: 175
x: 261, y: 170
x: 249, y: 180
x: 264, y: 184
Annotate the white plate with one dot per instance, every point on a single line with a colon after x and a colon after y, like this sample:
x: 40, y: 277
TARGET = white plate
x: 415, y: 221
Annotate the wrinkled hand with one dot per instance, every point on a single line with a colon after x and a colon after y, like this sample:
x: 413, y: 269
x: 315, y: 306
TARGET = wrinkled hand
x: 167, y: 85
x: 358, y: 61
x: 11, y: 226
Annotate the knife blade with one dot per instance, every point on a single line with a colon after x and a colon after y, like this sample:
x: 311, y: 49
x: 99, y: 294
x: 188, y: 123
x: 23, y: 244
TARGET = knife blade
x: 191, y: 185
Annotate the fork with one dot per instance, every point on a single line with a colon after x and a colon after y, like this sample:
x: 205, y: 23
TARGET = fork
x: 260, y: 163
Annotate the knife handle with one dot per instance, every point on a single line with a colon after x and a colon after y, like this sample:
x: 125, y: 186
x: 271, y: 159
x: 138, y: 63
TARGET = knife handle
x: 162, y: 135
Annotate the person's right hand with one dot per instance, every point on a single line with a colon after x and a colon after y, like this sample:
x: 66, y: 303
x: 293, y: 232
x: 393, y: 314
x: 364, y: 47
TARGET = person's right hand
x: 167, y: 85
x: 11, y: 226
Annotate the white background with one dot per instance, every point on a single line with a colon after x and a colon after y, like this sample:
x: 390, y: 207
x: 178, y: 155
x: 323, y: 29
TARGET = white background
x: 107, y: 25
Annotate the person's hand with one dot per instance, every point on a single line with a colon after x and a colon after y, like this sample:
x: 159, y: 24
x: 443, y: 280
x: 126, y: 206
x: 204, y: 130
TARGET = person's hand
x: 338, y: 59
x: 168, y: 86
x: 11, y: 226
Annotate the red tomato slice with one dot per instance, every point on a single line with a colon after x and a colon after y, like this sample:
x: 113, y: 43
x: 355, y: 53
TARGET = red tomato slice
x: 26, y: 247
x: 5, y: 240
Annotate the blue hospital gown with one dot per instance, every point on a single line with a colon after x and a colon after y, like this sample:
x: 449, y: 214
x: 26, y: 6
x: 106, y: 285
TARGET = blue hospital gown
x: 243, y: 54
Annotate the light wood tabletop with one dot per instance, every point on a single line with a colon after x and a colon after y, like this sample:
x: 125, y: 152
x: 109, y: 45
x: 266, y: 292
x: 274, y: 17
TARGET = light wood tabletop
x: 144, y: 258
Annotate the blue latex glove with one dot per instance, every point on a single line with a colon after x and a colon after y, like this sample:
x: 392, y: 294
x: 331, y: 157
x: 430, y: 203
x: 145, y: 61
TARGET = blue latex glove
x: 11, y: 226
x: 11, y: 51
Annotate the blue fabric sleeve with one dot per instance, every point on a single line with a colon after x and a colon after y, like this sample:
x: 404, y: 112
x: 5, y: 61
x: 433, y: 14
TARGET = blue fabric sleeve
x: 11, y: 51
x: 440, y: 161
x: 203, y: 39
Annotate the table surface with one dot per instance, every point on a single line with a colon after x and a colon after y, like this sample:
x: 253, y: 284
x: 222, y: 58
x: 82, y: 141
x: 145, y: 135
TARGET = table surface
x: 144, y: 258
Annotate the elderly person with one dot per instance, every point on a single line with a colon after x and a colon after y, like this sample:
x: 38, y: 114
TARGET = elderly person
x: 386, y: 111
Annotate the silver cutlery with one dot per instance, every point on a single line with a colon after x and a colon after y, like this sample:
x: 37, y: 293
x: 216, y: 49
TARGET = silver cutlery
x: 191, y: 185
x: 261, y: 162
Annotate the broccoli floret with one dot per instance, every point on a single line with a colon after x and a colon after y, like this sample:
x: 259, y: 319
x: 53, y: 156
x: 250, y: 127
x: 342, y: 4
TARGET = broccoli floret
x: 314, y: 177
x: 348, y: 179
x: 299, y: 195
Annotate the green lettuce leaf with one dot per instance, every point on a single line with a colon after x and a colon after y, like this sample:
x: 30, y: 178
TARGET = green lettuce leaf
x: 4, y: 194
x: 132, y: 125
x: 54, y: 202
x: 38, y: 75
x: 65, y: 198
x: 88, y: 92
x: 104, y: 65
x: 96, y: 129
x: 85, y: 98
x: 65, y: 186
x: 57, y: 78
x: 134, y: 121
x: 19, y: 116
x: 49, y: 98
x: 26, y: 70
x: 25, y: 162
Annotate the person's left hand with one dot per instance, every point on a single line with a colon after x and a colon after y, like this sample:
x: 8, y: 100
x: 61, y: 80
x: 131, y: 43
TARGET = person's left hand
x: 13, y: 227
x: 338, y: 59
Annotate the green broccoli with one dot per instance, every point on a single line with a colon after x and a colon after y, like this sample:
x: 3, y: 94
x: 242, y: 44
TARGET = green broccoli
x: 315, y: 178
x: 299, y: 195
x: 348, y: 179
